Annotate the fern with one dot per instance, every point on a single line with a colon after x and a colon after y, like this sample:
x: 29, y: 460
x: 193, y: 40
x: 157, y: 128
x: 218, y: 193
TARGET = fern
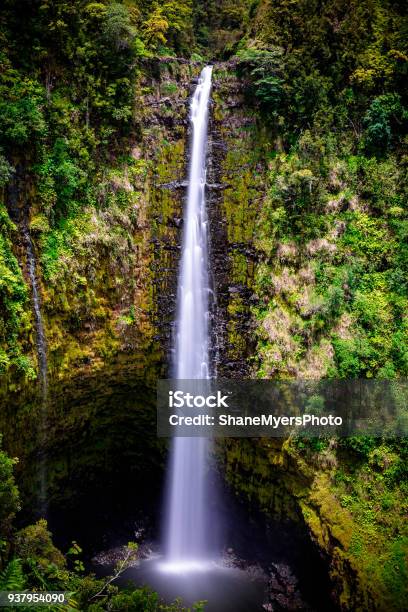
x: 12, y: 577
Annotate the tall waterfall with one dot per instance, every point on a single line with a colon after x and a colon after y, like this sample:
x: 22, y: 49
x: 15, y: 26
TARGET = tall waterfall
x: 186, y: 532
x: 43, y: 369
x: 40, y: 339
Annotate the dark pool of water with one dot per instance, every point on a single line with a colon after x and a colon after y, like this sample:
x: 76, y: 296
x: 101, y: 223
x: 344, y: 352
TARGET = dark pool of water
x: 225, y: 589
x: 280, y: 549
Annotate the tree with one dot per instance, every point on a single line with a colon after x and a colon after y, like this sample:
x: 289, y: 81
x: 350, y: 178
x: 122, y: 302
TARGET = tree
x: 264, y: 69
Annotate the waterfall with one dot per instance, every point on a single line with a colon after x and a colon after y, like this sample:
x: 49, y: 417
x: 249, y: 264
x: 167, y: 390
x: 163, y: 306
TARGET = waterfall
x: 42, y: 366
x: 186, y: 529
x: 40, y: 335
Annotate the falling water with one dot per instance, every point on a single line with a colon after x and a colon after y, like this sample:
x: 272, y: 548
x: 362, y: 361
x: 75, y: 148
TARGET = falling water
x: 191, y: 569
x: 42, y: 365
x: 186, y: 532
x: 40, y: 340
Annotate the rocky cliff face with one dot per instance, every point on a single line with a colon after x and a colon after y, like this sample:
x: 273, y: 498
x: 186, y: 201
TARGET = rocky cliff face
x: 273, y: 476
x: 326, y: 487
x: 235, y: 196
x: 109, y: 300
x: 107, y: 305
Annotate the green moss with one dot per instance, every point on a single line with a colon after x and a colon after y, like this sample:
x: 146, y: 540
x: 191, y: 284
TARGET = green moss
x: 15, y: 321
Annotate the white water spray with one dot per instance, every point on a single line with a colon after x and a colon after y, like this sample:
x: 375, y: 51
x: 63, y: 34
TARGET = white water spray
x: 186, y: 528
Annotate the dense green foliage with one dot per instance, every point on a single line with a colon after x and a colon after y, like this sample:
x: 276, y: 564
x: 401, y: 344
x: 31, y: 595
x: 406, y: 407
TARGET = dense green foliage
x: 329, y: 81
x: 68, y: 75
x: 13, y: 297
